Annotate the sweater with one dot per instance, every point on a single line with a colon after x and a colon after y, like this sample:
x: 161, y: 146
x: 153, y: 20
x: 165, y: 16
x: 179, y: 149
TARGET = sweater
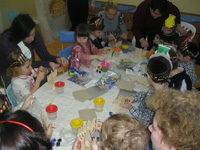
x: 143, y: 22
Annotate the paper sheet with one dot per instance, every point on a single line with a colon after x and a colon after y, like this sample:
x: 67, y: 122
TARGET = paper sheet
x: 126, y: 85
x: 81, y: 95
x: 87, y: 114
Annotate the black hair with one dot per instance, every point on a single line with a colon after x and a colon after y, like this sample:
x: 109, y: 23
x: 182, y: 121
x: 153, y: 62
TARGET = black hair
x: 161, y: 5
x: 188, y: 49
x: 18, y: 137
x: 82, y: 30
x: 21, y: 27
x: 159, y: 69
x: 96, y: 23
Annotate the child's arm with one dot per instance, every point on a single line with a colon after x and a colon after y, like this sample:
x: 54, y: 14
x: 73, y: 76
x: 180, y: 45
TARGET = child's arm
x: 39, y: 78
x: 29, y: 101
x: 94, y: 145
x: 98, y: 57
x: 123, y: 27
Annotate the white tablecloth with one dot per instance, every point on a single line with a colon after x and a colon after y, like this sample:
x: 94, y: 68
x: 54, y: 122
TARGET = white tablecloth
x: 68, y: 106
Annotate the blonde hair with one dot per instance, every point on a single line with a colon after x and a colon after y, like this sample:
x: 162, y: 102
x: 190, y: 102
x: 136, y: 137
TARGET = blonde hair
x: 121, y: 132
x: 178, y: 117
x: 14, y: 64
x: 110, y: 4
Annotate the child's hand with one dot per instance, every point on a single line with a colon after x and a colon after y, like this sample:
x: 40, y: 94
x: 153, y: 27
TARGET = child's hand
x: 126, y: 102
x: 40, y: 76
x: 94, y: 145
x: 49, y: 131
x: 111, y: 37
x: 53, y: 65
x: 63, y: 61
x: 79, y: 145
x: 104, y: 50
x: 42, y: 69
x: 101, y: 58
x: 29, y: 101
x: 98, y: 126
x: 123, y: 36
x: 144, y: 43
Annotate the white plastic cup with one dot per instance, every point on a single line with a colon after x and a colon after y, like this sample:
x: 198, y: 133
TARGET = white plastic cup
x: 60, y: 87
x: 51, y: 112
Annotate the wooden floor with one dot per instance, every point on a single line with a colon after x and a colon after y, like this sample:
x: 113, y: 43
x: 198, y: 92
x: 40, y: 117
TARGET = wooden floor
x: 55, y: 47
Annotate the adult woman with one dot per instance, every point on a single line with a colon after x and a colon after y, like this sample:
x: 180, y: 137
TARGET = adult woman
x: 176, y: 122
x: 22, y: 131
x: 23, y: 29
x: 113, y: 21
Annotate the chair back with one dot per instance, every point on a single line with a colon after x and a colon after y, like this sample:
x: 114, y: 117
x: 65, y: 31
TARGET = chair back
x: 11, y: 95
x: 189, y: 27
x: 67, y: 37
x: 66, y: 52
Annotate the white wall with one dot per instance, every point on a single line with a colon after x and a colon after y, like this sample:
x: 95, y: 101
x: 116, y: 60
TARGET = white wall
x: 187, y: 6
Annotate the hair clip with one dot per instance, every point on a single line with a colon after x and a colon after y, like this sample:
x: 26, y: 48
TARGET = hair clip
x: 19, y: 123
x: 20, y: 61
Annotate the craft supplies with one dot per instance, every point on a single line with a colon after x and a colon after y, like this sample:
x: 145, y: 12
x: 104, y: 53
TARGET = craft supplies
x: 75, y: 125
x: 149, y: 53
x: 117, y: 52
x: 105, y: 66
x: 59, y: 87
x: 99, y: 104
x: 125, y: 48
x: 108, y: 79
x: 51, y: 112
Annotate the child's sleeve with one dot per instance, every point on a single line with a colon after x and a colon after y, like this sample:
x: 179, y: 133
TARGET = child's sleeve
x: 122, y: 24
x: 94, y: 49
x: 139, y: 96
x: 20, y: 90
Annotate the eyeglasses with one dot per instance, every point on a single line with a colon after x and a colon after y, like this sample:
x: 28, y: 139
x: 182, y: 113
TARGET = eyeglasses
x: 19, y: 123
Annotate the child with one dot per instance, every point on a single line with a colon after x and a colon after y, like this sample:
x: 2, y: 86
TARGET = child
x: 84, y: 51
x: 120, y: 132
x: 158, y: 70
x: 113, y: 21
x: 21, y: 131
x: 96, y: 26
x: 22, y: 73
x: 178, y: 78
x: 168, y: 34
x: 187, y: 52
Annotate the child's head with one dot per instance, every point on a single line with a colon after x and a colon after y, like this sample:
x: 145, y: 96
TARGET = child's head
x: 20, y: 130
x: 111, y: 9
x: 187, y: 51
x: 96, y: 26
x: 120, y: 131
x: 19, y: 64
x: 82, y: 34
x: 169, y: 26
x: 176, y: 122
x: 158, y: 68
